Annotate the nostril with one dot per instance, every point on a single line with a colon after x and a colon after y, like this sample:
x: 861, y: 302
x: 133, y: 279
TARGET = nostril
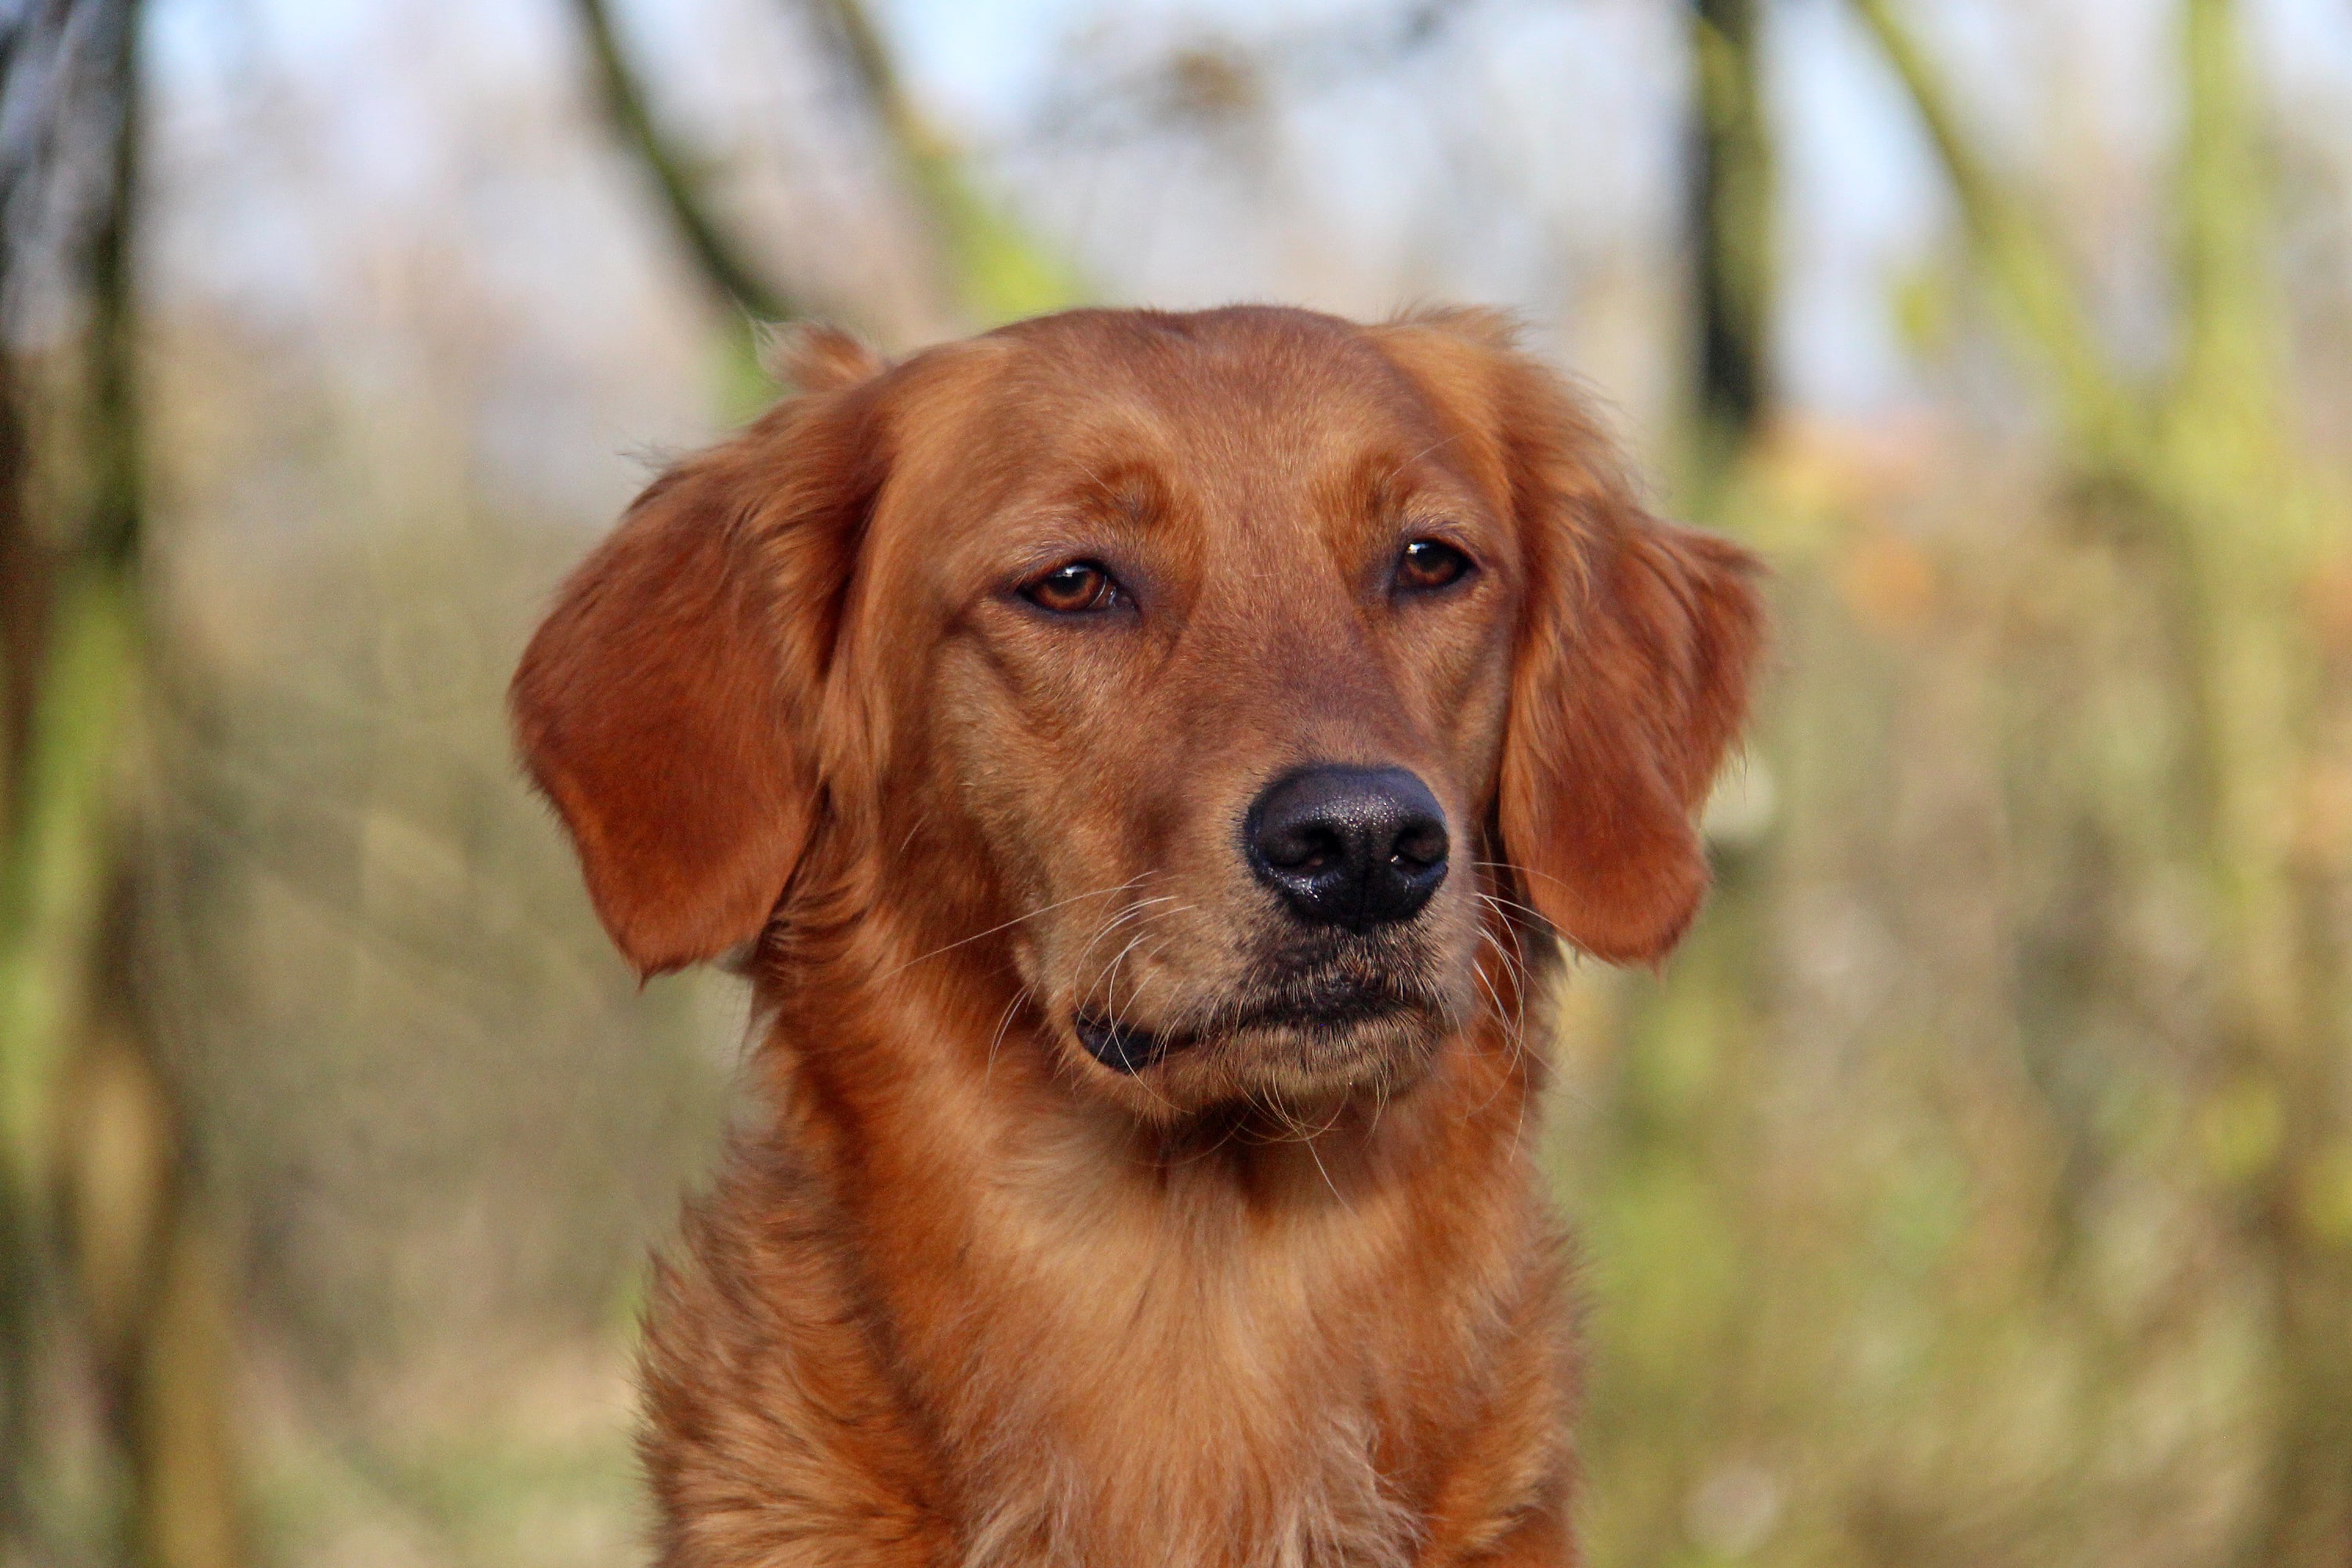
x: 1306, y: 848
x: 1420, y: 844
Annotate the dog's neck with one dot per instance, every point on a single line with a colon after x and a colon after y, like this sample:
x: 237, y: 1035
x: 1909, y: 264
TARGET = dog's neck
x: 1156, y: 1307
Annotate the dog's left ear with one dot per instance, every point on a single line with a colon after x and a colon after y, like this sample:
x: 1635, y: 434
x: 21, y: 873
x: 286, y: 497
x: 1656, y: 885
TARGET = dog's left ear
x: 1637, y: 642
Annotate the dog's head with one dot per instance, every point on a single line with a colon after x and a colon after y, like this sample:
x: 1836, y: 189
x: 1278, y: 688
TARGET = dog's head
x: 1231, y: 673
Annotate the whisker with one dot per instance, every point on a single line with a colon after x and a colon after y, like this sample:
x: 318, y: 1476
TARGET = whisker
x: 1233, y: 1126
x: 1417, y: 457
x: 1312, y: 1153
x: 1512, y: 965
x: 1518, y: 1031
x: 1501, y: 903
x: 1522, y: 870
x: 1006, y: 925
x: 1108, y: 969
x: 1130, y: 912
x: 908, y: 842
x: 1118, y: 1015
x: 1108, y: 981
x: 1003, y: 1022
x: 1512, y: 1032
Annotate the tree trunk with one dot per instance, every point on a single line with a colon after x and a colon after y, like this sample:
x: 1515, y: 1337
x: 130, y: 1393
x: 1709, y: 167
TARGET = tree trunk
x: 124, y: 1261
x: 1731, y: 221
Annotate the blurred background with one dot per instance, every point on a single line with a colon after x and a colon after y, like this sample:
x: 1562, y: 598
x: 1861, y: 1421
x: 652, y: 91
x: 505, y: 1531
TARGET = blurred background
x: 1975, y: 1187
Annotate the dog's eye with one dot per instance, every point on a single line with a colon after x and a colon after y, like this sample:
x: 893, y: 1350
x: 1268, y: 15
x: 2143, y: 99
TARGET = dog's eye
x: 1077, y: 589
x: 1427, y: 563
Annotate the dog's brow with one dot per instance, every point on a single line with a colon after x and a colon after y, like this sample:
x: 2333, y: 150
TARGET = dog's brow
x: 1443, y: 440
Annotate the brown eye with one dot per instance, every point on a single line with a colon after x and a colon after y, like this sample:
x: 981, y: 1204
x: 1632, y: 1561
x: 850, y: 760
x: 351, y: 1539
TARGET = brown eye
x: 1427, y: 565
x: 1077, y: 589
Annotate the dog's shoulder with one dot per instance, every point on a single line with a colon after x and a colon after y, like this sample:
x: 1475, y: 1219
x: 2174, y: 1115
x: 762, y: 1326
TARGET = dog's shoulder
x: 774, y: 1435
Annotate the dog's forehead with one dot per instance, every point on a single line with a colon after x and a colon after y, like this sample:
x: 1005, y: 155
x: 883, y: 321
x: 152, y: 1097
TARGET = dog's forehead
x: 1246, y: 391
x: 1279, y: 432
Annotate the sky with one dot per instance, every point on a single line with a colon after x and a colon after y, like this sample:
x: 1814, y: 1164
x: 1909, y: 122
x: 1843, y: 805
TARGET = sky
x: 1862, y: 200
x: 1857, y: 183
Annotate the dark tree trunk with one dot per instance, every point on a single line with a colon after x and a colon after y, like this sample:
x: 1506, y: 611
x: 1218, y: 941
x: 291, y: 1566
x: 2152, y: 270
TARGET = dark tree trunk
x: 1731, y: 219
x: 103, y: 1241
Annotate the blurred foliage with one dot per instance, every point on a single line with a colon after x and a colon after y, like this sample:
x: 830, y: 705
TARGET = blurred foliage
x: 1971, y: 1192
x: 1974, y: 1188
x: 994, y: 269
x: 114, y: 1260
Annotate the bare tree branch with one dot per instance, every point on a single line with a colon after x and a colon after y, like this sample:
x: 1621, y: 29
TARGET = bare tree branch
x: 112, y: 534
x: 1731, y: 217
x: 135, y: 1275
x: 995, y: 268
x: 2228, y: 314
x: 1216, y: 75
x: 721, y: 261
x: 2028, y: 275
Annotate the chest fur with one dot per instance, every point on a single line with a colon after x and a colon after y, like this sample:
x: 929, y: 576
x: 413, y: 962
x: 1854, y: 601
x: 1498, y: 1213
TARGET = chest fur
x: 1172, y: 1373
x: 1152, y: 1393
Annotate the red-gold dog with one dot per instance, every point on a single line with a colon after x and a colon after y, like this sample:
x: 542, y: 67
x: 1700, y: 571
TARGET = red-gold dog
x: 1145, y: 760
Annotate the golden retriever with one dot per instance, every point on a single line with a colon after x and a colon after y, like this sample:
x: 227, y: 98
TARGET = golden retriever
x: 1146, y: 763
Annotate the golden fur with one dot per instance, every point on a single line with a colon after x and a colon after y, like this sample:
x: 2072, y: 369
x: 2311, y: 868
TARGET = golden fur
x: 1288, y: 1296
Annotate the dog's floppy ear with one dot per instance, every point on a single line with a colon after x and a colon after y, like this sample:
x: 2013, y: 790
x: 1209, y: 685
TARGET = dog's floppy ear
x: 667, y: 705
x: 1635, y: 649
x: 1631, y: 683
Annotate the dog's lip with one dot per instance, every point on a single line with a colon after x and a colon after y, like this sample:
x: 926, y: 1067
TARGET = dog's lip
x: 1122, y: 1048
x: 1328, y: 1007
x: 1129, y: 1048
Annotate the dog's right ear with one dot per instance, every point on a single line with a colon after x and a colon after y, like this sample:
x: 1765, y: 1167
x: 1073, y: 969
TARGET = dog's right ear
x: 669, y: 704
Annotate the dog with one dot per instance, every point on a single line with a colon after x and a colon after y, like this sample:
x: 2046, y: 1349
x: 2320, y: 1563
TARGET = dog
x: 1147, y: 765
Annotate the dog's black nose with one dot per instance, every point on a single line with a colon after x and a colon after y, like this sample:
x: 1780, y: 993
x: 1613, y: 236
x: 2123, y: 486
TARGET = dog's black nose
x: 1356, y: 847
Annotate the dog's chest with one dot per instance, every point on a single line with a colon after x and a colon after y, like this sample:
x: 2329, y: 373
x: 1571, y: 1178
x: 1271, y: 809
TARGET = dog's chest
x: 1147, y: 1397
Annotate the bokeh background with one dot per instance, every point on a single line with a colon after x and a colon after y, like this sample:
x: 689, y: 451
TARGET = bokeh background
x: 1975, y: 1188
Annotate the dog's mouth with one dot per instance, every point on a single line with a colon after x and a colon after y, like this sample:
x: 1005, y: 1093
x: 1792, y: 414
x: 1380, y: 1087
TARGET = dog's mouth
x: 1318, y: 1009
x: 1122, y: 1048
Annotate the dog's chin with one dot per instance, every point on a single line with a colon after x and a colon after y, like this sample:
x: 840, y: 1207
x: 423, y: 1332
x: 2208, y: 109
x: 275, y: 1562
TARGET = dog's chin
x: 1293, y: 1051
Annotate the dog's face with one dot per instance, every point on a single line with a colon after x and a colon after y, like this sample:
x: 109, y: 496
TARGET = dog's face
x: 1241, y: 671
x: 1220, y: 674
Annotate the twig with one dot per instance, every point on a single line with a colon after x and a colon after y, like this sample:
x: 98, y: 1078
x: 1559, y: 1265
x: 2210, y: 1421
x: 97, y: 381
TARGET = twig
x: 992, y: 266
x: 722, y: 264
x: 2016, y: 257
